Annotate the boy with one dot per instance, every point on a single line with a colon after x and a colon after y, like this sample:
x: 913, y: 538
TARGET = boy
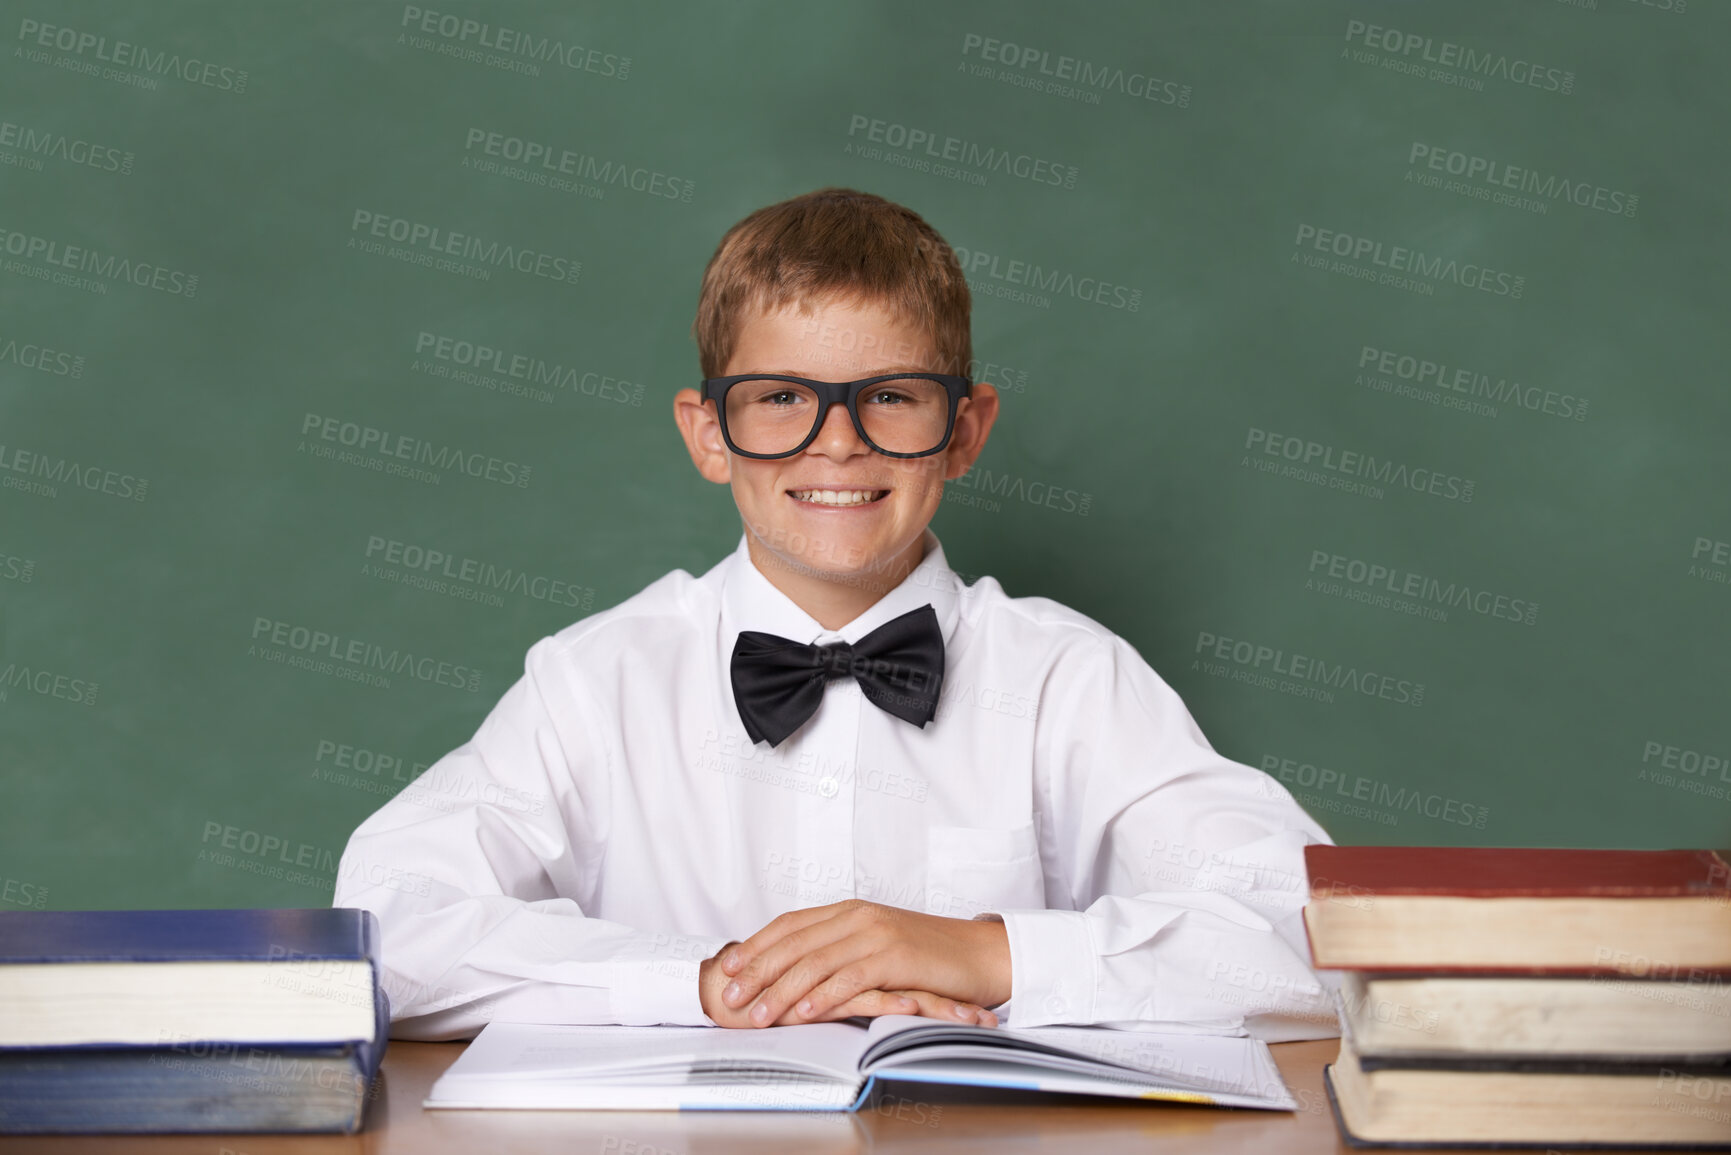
x: 826, y: 778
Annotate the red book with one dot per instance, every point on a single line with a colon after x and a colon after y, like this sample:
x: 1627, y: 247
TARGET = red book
x: 1663, y: 914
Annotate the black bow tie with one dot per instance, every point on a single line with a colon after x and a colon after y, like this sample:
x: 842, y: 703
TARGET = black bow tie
x: 778, y: 683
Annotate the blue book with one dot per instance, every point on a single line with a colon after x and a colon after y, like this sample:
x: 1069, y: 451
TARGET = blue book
x: 189, y: 1020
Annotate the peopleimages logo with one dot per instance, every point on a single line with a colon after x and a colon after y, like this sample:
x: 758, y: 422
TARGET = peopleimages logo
x: 1496, y: 176
x: 1702, y: 772
x: 1015, y: 488
x: 1060, y: 74
x: 1711, y: 560
x: 30, y: 464
x: 368, y: 439
x: 1311, y: 457
x: 1357, y: 787
x: 59, y: 146
x: 966, y: 153
x: 545, y: 162
x: 47, y: 683
x: 531, y: 371
x: 354, y: 658
x: 434, y: 240
x: 128, y: 55
x: 1391, y: 586
x: 1437, y: 381
x: 29, y: 355
x: 976, y: 264
x: 58, y: 254
x: 17, y: 569
x: 1398, y: 259
x: 1455, y: 60
x: 1268, y: 666
x: 459, y: 32
x: 415, y: 564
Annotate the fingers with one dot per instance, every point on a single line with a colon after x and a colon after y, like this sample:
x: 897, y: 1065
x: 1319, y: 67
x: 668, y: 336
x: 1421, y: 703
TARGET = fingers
x: 932, y: 1006
x: 740, y: 956
x: 710, y: 982
x: 813, y: 983
x: 869, y: 1004
x: 873, y: 1003
x: 799, y: 959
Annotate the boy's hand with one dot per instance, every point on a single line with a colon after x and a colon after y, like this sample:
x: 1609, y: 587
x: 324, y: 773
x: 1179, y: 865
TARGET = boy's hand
x: 712, y: 980
x: 808, y: 965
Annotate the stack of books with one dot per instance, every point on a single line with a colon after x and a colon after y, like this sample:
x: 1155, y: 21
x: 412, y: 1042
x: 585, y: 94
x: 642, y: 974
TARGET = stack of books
x: 1537, y: 997
x: 188, y: 1020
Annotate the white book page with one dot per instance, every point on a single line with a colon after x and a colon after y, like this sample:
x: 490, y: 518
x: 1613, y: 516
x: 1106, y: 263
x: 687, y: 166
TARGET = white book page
x: 286, y: 1001
x: 541, y: 1051
x: 1209, y: 1064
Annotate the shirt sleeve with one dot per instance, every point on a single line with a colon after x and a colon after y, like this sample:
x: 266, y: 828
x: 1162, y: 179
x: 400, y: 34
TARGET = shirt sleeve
x: 1182, y: 870
x: 479, y: 872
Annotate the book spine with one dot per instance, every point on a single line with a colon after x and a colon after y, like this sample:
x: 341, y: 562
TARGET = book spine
x: 865, y: 1093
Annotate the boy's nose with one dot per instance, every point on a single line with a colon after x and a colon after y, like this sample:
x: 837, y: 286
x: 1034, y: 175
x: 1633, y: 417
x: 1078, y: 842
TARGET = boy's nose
x: 837, y: 437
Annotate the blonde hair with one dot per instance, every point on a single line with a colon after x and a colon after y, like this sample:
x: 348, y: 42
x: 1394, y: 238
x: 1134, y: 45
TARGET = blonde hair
x: 834, y: 242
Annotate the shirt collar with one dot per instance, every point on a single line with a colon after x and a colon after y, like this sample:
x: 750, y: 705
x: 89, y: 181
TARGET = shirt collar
x: 750, y: 602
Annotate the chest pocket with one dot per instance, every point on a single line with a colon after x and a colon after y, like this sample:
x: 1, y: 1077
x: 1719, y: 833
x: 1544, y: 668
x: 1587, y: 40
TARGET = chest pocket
x: 970, y: 869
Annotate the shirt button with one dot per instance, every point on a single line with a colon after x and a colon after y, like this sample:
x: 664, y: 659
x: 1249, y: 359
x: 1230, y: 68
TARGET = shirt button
x: 1056, y: 1005
x: 827, y: 786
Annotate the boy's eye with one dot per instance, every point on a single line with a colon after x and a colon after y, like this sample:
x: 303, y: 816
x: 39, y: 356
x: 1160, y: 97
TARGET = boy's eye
x: 781, y: 397
x: 890, y: 397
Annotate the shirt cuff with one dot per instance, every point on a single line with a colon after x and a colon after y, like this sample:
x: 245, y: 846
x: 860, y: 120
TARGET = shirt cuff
x: 1054, y: 968
x: 647, y: 992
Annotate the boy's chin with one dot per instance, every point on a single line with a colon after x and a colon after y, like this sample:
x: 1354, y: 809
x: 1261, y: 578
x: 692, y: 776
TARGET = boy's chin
x: 875, y: 581
x: 834, y: 552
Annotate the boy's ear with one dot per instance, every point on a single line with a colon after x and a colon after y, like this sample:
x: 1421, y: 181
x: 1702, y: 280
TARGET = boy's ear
x: 974, y: 417
x: 702, y: 433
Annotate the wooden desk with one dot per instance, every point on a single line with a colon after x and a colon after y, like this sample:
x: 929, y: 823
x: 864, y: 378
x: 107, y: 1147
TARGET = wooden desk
x: 922, y: 1119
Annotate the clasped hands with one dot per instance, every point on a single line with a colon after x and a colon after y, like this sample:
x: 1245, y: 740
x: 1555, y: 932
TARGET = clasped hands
x: 858, y: 958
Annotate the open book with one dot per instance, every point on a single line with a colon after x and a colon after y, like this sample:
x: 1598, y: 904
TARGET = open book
x: 831, y: 1066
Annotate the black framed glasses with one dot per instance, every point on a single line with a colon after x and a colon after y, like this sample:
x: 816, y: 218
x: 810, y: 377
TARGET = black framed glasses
x: 769, y: 415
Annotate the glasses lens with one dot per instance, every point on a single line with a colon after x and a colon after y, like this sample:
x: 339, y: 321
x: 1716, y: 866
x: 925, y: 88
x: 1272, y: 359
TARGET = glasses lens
x: 905, y: 415
x: 770, y: 416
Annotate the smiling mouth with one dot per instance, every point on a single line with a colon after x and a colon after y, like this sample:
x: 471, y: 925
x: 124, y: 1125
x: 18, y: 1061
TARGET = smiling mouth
x: 838, y: 496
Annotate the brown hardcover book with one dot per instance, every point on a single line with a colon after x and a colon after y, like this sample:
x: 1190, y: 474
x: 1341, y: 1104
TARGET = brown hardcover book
x: 1661, y: 914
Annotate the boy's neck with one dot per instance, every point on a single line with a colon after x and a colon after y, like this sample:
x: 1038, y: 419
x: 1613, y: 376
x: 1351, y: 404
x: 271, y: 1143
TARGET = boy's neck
x: 834, y: 600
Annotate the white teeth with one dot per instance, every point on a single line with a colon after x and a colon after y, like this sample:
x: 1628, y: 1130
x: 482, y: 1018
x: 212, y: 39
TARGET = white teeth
x: 838, y: 496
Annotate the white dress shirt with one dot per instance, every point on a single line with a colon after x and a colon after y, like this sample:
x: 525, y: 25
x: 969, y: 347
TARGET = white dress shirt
x: 610, y: 825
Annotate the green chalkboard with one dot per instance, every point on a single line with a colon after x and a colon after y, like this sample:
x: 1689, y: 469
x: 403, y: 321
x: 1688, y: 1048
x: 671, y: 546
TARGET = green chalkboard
x: 1362, y: 364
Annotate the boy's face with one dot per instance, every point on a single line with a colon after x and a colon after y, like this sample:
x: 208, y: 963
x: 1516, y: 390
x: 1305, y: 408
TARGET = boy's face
x: 878, y: 538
